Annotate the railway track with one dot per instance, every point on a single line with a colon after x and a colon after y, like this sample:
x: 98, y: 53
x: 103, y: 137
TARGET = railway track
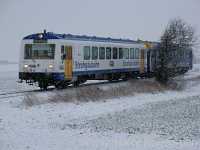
x: 22, y: 92
x: 15, y: 93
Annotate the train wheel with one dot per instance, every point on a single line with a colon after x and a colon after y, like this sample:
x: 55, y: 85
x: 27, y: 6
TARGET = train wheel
x: 125, y: 79
x: 61, y: 85
x: 110, y: 77
x: 43, y: 85
x: 76, y: 83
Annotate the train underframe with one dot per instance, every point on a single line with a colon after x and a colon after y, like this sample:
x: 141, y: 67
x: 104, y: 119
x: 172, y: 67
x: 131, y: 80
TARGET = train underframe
x: 43, y: 80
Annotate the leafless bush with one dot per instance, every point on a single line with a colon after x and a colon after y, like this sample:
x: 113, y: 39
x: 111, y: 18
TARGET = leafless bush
x: 146, y: 86
x: 176, y: 85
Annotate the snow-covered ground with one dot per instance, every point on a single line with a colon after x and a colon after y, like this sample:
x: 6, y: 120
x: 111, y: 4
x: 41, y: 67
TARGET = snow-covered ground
x: 9, y: 78
x: 164, y: 120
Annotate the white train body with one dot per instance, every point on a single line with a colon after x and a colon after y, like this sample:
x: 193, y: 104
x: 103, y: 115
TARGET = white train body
x: 56, y: 58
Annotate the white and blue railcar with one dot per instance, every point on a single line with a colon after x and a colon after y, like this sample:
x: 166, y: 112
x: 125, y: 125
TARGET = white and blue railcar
x: 62, y: 59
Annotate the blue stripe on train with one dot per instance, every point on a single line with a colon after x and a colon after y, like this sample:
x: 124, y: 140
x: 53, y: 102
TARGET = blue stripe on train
x: 88, y: 72
x: 60, y: 76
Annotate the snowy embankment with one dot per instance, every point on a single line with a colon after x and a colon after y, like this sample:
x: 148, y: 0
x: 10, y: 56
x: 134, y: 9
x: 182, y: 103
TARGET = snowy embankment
x: 159, y: 119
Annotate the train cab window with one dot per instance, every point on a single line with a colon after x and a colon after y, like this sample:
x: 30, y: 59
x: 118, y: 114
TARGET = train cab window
x: 137, y: 53
x: 126, y: 53
x: 94, y: 53
x: 102, y: 53
x: 121, y: 53
x: 108, y: 53
x: 115, y: 53
x: 39, y: 51
x: 86, y: 51
x: 131, y: 53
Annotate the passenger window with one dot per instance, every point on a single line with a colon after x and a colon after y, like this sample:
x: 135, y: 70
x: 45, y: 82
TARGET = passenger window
x: 94, y: 53
x: 121, y: 55
x: 108, y: 53
x: 131, y: 53
x: 126, y: 53
x: 137, y: 53
x: 115, y: 53
x: 86, y: 52
x: 63, y: 55
x: 62, y: 49
x: 101, y: 53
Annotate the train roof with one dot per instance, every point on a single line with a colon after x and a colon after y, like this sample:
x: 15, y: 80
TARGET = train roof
x: 51, y: 35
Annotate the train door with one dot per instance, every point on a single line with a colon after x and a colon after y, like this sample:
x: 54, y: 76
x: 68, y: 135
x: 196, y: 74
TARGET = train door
x: 68, y: 63
x: 141, y: 61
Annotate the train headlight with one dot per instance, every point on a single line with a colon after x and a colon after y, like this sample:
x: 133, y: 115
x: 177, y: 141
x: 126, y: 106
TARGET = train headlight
x: 40, y: 36
x: 25, y: 66
x: 50, y: 66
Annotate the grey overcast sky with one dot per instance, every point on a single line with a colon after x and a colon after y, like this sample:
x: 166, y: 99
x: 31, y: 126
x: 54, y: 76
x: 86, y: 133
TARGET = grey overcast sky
x: 143, y: 19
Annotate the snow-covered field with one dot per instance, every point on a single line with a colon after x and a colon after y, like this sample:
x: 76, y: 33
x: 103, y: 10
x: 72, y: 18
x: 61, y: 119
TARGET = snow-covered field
x: 165, y: 120
x: 9, y: 78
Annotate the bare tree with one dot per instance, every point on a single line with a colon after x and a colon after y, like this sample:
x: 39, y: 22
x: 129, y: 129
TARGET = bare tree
x: 177, y: 40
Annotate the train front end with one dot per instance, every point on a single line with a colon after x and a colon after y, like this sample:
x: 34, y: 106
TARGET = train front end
x: 37, y: 60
